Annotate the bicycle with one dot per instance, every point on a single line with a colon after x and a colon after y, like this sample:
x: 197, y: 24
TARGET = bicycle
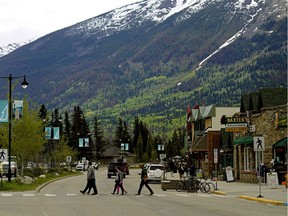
x: 189, y: 184
x: 206, y: 187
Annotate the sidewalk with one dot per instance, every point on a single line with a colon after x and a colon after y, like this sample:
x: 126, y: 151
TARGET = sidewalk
x: 248, y: 191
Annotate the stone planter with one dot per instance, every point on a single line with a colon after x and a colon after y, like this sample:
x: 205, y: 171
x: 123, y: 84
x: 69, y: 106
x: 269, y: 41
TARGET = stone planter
x: 168, y: 184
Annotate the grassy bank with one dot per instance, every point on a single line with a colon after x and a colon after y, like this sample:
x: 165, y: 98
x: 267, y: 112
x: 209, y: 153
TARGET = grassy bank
x: 16, y: 185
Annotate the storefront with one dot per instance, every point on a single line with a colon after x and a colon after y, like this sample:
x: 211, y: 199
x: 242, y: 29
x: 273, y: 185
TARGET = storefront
x: 280, y: 159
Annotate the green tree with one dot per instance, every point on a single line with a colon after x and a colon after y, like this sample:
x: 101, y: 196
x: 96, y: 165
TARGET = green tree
x: 28, y: 135
x: 98, y: 139
x: 139, y: 152
x: 80, y: 129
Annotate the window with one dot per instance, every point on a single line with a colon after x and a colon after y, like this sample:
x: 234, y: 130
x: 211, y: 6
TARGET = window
x: 246, y: 159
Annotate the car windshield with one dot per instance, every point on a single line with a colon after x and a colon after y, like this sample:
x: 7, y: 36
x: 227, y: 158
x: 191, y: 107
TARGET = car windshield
x: 156, y: 167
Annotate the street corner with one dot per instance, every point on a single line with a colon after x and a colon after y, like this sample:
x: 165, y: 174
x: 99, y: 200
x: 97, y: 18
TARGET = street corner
x: 220, y: 193
x: 262, y: 200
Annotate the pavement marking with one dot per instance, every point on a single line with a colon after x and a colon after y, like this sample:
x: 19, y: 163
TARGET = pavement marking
x: 28, y: 195
x: 183, y: 195
x: 50, y: 195
x: 72, y: 194
x: 159, y: 195
x: 6, y: 195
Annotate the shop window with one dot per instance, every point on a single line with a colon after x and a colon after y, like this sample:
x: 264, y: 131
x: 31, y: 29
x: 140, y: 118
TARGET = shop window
x: 247, y: 159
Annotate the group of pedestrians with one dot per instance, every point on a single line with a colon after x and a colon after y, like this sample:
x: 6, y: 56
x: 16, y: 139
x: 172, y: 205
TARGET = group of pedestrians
x: 91, y: 181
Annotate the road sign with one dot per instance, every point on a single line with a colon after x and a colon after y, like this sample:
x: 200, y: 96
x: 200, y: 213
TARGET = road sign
x: 258, y: 143
x: 125, y: 146
x: 3, y: 110
x: 3, y: 155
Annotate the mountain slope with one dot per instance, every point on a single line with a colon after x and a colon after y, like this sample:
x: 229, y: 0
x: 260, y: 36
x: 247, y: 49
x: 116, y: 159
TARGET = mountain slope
x: 131, y: 60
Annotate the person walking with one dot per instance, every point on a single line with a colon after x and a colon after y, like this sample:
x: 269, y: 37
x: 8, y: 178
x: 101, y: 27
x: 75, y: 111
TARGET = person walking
x: 118, y: 181
x: 91, y: 180
x: 144, y: 181
x: 181, y: 172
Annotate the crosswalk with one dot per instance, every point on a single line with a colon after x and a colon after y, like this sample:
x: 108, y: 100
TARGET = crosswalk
x: 7, y: 194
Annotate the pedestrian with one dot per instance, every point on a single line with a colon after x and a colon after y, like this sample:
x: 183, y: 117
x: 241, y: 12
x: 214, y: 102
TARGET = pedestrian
x: 118, y: 181
x: 144, y: 181
x: 181, y: 172
x: 171, y: 167
x: 118, y: 187
x: 91, y: 180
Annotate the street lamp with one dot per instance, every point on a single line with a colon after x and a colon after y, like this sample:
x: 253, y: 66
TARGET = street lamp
x: 24, y: 85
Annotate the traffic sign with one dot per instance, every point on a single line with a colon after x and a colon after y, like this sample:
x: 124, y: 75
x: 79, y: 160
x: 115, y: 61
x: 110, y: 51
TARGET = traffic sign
x: 3, y: 110
x: 3, y: 155
x: 258, y: 143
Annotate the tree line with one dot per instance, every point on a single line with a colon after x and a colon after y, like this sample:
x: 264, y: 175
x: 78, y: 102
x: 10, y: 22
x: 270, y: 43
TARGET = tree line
x: 30, y: 142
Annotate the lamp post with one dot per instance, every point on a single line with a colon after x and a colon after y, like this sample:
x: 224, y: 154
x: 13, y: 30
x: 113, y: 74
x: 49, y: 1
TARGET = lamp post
x: 24, y: 85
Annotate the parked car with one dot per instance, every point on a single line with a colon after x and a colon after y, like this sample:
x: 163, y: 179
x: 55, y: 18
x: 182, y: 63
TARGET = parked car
x: 13, y: 166
x: 155, y: 172
x: 124, y: 167
x: 80, y: 167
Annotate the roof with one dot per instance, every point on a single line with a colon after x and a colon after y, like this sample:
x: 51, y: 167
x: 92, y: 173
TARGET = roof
x: 266, y: 97
x: 203, y: 112
x: 115, y: 151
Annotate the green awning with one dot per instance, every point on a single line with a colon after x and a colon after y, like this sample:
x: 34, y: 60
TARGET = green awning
x: 280, y: 143
x: 244, y: 140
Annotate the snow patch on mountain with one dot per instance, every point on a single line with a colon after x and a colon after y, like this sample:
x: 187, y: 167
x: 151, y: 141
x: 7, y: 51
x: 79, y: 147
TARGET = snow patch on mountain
x: 134, y: 15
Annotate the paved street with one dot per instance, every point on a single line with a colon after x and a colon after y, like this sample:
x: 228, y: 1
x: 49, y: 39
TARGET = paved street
x: 62, y: 197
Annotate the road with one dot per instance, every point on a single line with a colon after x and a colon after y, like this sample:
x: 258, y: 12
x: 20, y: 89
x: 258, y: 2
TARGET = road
x: 62, y: 197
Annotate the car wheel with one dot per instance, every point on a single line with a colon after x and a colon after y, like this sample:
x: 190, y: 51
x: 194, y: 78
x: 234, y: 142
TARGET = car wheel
x: 109, y: 176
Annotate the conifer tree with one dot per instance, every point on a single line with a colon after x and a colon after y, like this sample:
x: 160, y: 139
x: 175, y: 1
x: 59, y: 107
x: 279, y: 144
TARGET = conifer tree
x: 98, y: 139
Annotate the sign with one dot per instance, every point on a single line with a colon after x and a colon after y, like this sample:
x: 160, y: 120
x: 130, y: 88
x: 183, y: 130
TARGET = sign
x: 215, y: 155
x: 3, y: 110
x: 125, y: 146
x: 229, y: 174
x: 252, y: 128
x: 258, y: 143
x: 3, y: 155
x: 68, y: 159
x: 236, y: 127
x: 160, y: 147
x: 52, y: 133
x: 17, y: 109
x: 83, y: 142
x: 272, y: 180
x: 162, y: 156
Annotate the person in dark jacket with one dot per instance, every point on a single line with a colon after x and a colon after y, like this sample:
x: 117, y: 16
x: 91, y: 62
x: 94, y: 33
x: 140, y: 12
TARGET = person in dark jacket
x: 91, y: 181
x: 144, y: 181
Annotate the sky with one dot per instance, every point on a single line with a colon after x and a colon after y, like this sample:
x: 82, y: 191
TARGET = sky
x: 23, y: 20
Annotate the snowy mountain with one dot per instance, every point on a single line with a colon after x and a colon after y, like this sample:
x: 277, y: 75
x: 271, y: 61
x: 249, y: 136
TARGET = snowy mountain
x: 128, y: 61
x: 4, y: 50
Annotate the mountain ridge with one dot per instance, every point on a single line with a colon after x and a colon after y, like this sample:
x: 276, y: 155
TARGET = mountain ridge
x: 135, y: 71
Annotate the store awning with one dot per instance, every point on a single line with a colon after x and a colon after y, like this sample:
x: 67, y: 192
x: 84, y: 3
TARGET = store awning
x: 281, y: 143
x: 244, y: 140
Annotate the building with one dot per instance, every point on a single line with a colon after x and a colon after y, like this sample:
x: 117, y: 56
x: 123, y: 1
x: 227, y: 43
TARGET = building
x: 209, y: 146
x: 265, y: 112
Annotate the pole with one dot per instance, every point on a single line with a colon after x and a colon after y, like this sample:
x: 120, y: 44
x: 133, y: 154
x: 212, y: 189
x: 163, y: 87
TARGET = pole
x: 10, y: 127
x: 259, y: 176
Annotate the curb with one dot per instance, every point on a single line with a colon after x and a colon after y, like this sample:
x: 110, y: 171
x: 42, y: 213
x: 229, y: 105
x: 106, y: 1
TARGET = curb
x: 220, y: 193
x: 267, y: 201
